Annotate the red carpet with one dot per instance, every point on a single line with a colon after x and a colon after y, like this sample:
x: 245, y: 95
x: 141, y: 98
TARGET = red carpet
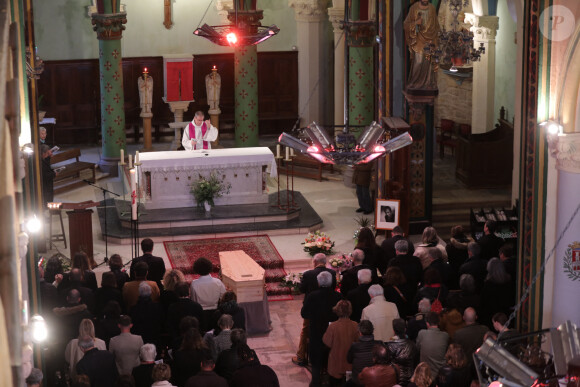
x: 182, y: 255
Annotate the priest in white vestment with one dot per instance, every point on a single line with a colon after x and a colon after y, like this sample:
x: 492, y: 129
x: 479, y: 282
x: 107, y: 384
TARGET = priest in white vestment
x: 198, y: 134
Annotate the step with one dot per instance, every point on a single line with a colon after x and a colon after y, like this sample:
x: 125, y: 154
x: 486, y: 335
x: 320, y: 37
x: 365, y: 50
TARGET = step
x: 468, y: 204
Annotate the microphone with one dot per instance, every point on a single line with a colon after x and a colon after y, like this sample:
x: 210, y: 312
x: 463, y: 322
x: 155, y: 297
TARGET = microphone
x: 105, y: 260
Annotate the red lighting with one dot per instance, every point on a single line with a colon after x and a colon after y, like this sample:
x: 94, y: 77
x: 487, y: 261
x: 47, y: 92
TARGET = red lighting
x: 214, y: 68
x: 232, y: 38
x: 145, y: 70
x: 312, y: 149
x: 379, y: 149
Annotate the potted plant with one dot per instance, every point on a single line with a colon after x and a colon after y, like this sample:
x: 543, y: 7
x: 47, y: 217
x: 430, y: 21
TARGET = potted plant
x: 362, y: 222
x: 207, y: 188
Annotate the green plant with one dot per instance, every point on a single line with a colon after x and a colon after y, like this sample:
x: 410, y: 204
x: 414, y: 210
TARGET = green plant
x: 292, y: 281
x: 362, y: 222
x: 206, y: 189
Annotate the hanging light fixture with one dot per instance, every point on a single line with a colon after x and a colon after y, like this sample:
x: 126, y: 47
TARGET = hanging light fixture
x: 455, y: 47
x: 238, y: 33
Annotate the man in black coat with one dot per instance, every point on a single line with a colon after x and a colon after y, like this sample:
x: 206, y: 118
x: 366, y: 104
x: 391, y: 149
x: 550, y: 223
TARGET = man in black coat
x: 98, y: 365
x: 206, y: 377
x: 156, y: 264
x: 317, y: 308
x: 388, y: 244
x: 360, y: 353
x: 409, y: 264
x: 359, y: 297
x: 475, y: 265
x: 350, y: 276
x: 489, y: 242
x: 437, y: 263
x: 184, y: 306
x: 308, y: 284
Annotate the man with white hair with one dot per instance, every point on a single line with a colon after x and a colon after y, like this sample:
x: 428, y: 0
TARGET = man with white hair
x: 317, y: 308
x: 350, y: 276
x: 142, y: 373
x: 381, y: 313
x: 409, y: 264
x: 359, y: 297
x: 308, y: 284
x: 417, y: 322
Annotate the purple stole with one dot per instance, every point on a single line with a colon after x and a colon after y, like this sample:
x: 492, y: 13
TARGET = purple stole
x: 203, y: 131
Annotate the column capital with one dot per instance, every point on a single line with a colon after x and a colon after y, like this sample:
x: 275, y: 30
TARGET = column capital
x: 483, y: 27
x: 109, y: 26
x: 309, y: 10
x: 336, y: 17
x: 565, y: 148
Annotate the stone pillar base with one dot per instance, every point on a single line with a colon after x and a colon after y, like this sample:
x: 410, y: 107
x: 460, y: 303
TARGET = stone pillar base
x: 147, y: 142
x: 215, y: 121
x: 109, y: 165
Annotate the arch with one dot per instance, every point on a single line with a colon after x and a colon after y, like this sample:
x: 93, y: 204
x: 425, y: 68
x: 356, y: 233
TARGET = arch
x: 569, y: 85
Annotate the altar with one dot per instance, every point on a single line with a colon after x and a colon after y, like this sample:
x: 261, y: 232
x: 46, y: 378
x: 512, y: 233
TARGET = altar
x: 165, y: 178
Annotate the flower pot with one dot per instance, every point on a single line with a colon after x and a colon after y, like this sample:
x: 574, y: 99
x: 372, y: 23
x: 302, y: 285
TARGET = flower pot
x: 207, y: 206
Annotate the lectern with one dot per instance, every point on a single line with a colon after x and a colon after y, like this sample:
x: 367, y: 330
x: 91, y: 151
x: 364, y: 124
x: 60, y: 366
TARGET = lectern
x: 80, y: 228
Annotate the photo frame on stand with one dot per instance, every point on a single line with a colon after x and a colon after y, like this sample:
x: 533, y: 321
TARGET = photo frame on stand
x: 387, y: 214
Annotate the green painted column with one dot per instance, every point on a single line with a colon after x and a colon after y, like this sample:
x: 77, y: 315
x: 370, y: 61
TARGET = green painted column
x: 109, y: 28
x: 361, y: 82
x: 246, y: 90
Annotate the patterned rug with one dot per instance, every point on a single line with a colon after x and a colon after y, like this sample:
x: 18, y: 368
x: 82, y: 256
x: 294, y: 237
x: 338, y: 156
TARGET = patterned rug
x: 182, y: 255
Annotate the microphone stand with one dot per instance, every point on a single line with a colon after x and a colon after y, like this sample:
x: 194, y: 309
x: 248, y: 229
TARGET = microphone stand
x: 104, y: 190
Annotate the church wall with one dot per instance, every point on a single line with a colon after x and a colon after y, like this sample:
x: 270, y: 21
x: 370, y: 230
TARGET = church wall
x: 63, y: 31
x: 505, y: 62
x: 454, y: 100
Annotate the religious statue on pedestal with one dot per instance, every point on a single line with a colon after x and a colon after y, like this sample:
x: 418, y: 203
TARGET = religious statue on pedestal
x: 145, y: 85
x: 213, y: 83
x: 421, y: 30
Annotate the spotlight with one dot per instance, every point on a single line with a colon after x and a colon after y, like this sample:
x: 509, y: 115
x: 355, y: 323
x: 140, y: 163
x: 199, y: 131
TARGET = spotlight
x: 292, y: 142
x: 27, y: 148
x: 565, y: 345
x: 371, y: 136
x: 232, y: 38
x: 318, y: 136
x: 38, y: 329
x: 506, y: 364
x: 33, y: 224
x: 552, y: 127
x: 398, y: 142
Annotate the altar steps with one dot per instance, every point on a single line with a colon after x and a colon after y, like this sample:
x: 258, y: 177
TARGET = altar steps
x: 221, y: 221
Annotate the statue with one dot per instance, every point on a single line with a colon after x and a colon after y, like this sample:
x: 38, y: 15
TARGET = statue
x: 421, y: 29
x: 145, y: 84
x: 213, y: 82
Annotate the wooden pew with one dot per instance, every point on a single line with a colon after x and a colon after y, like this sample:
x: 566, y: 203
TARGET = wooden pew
x: 70, y: 177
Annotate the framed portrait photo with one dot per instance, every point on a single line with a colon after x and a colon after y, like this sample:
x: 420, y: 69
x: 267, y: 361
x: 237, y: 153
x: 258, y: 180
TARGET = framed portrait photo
x: 387, y: 214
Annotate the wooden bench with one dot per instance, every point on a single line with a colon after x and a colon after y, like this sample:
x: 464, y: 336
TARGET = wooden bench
x: 305, y: 166
x: 71, y: 176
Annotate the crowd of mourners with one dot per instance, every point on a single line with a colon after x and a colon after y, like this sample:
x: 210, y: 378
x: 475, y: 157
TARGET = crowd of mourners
x: 151, y: 328
x: 406, y: 315
x: 401, y: 315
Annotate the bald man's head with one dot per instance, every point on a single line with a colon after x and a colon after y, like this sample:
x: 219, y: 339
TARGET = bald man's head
x: 469, y: 316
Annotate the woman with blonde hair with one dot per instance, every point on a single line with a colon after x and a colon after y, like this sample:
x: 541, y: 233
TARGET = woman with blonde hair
x: 161, y: 375
x: 422, y: 376
x: 73, y: 353
x: 428, y: 240
x: 170, y: 280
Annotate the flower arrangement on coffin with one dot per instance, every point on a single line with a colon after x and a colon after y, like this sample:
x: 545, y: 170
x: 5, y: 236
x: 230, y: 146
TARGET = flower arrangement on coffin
x: 64, y: 261
x: 340, y: 262
x: 362, y: 222
x: 206, y: 189
x: 292, y: 281
x: 318, y: 242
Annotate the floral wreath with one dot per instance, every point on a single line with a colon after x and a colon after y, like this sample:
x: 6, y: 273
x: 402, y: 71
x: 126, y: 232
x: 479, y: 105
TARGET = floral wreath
x: 568, y: 269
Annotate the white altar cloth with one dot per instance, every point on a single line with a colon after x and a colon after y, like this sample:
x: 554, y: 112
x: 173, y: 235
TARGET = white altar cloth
x: 165, y: 178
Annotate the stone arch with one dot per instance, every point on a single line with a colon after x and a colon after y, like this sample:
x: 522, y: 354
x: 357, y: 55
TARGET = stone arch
x: 569, y: 86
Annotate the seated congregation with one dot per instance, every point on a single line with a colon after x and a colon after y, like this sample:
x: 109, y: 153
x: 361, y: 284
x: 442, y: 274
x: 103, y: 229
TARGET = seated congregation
x: 407, y: 315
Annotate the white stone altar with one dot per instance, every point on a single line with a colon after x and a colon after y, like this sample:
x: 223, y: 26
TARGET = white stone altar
x: 165, y: 177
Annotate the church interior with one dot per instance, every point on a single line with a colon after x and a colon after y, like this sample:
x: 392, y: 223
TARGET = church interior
x: 458, y: 112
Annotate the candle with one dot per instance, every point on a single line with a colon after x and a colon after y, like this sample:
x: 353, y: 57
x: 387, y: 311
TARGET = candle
x: 130, y: 161
x: 136, y: 157
x: 214, y: 68
x: 292, y: 152
x: 145, y: 71
x: 287, y: 153
x: 133, y: 193
x: 278, y: 151
x: 122, y: 156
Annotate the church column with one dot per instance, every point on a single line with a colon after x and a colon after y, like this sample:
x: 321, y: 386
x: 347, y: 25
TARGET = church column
x: 246, y: 81
x: 310, y: 15
x: 361, y: 82
x: 108, y: 23
x: 566, y: 258
x: 336, y: 16
x: 484, y: 29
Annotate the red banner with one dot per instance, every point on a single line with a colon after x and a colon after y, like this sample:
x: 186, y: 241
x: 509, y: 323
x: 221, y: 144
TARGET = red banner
x: 179, y: 81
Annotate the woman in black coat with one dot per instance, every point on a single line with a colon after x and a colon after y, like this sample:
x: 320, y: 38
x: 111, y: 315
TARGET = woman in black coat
x: 374, y: 255
x: 497, y: 294
x: 456, y: 372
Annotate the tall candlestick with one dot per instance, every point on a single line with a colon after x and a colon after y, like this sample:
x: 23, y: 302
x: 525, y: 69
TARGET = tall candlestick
x: 278, y: 151
x: 287, y: 153
x: 292, y: 152
x: 133, y: 193
x: 122, y: 155
x: 136, y: 157
x: 130, y: 161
